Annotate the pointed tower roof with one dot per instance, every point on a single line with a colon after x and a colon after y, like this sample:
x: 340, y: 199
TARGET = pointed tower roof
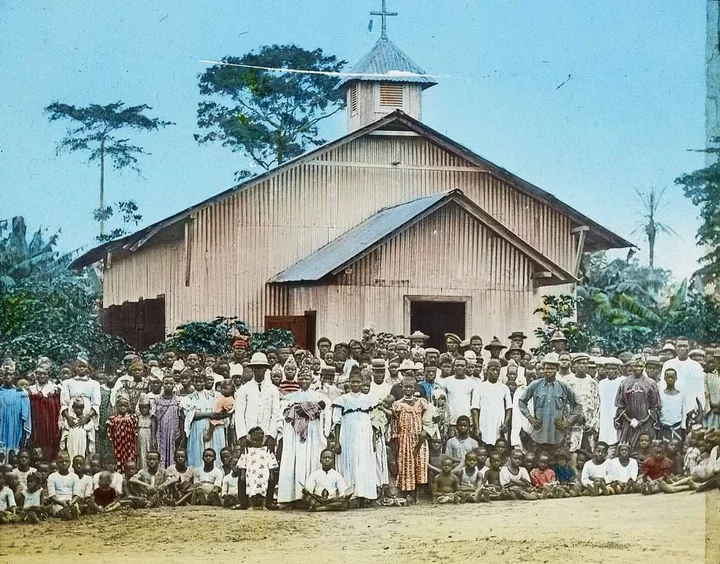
x: 386, y: 62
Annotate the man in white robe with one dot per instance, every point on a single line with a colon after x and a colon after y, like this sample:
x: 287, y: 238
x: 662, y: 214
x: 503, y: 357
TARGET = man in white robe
x: 494, y: 402
x: 257, y: 403
x: 690, y: 376
x: 607, y: 390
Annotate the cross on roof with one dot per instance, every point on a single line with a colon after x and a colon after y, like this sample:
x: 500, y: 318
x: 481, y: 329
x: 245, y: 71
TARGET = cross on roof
x: 384, y: 15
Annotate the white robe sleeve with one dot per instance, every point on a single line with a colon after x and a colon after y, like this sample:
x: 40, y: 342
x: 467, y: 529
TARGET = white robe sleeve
x: 240, y: 407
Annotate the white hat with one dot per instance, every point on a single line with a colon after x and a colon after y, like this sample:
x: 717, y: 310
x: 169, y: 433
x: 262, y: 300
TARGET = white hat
x: 551, y: 358
x: 259, y: 359
x: 470, y: 356
x: 407, y: 364
x: 178, y: 365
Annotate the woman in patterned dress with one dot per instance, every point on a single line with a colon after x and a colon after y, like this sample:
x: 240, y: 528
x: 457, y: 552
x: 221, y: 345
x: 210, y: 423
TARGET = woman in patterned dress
x: 411, y: 446
x: 123, y: 432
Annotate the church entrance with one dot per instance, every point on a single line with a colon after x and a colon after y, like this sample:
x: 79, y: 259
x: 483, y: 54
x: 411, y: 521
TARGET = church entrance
x: 435, y: 318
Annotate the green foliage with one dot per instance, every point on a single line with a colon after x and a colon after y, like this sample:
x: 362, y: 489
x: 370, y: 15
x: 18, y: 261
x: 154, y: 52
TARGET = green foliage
x: 46, y: 310
x: 698, y: 318
x: 702, y: 187
x: 272, y: 339
x: 557, y: 314
x: 96, y: 128
x: 268, y: 116
x: 216, y: 337
x: 128, y: 213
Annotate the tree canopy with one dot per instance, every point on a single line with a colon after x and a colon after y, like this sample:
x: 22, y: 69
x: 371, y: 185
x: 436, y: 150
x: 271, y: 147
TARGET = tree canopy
x: 268, y: 116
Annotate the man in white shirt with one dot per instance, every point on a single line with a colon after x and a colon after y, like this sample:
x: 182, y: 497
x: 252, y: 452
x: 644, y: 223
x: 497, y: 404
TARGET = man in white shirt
x: 257, y: 403
x: 459, y: 389
x: 493, y: 402
x: 690, y: 376
x: 594, y: 474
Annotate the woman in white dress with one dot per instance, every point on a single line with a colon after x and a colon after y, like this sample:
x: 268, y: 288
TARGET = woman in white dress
x: 305, y: 427
x: 354, y: 434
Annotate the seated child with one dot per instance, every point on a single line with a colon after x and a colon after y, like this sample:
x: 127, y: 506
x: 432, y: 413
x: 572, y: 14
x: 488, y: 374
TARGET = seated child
x: 435, y: 458
x: 8, y: 507
x: 256, y: 465
x: 594, y: 477
x: 623, y: 471
x: 229, y: 487
x: 515, y: 479
x: 224, y: 405
x: 492, y: 477
x: 462, y: 443
x: 180, y: 480
x: 117, y: 479
x: 482, y: 457
x: 150, y: 482
x: 325, y: 488
x: 446, y: 486
x: 643, y: 448
x: 673, y: 453
x: 34, y: 499
x: 471, y: 480
x: 64, y: 489
x: 502, y: 446
x: 23, y: 467
x: 208, y: 481
x: 543, y: 478
x: 657, y: 470
x: 105, y: 497
x: 86, y: 481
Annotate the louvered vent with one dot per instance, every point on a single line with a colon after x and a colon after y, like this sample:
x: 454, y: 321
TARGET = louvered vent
x: 391, y: 95
x: 353, y: 99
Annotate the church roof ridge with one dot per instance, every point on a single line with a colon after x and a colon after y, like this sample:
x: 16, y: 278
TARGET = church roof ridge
x: 386, y: 62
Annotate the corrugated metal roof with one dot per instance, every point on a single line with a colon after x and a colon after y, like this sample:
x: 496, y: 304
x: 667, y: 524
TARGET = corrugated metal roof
x: 388, y: 222
x: 357, y: 240
x: 389, y: 62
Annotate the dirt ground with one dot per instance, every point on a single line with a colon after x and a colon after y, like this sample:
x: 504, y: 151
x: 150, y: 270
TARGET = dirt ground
x: 622, y: 529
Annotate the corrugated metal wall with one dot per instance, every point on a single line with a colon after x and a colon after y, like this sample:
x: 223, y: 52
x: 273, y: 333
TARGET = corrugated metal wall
x: 447, y: 254
x: 238, y: 243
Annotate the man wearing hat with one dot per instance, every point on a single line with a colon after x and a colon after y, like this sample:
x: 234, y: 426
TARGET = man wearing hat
x: 327, y: 383
x: 516, y: 354
x: 239, y: 354
x: 495, y: 347
x: 417, y: 339
x: 257, y: 404
x: 653, y: 366
x: 583, y: 434
x: 558, y: 342
x: 555, y: 409
x: 517, y: 338
x: 452, y: 344
x: 379, y: 387
x: 667, y: 352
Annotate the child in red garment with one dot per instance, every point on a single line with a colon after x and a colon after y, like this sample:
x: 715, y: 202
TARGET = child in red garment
x: 657, y: 471
x: 544, y: 479
x: 122, y: 430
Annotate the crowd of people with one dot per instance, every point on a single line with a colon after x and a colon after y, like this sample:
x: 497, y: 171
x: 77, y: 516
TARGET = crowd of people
x: 382, y: 420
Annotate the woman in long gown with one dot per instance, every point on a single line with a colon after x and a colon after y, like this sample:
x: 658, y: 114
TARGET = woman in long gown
x: 407, y: 430
x: 306, y: 425
x: 198, y: 408
x: 353, y: 430
x: 45, y: 412
x: 167, y: 415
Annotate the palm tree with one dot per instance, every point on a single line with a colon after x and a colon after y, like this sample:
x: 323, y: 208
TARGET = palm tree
x: 650, y: 226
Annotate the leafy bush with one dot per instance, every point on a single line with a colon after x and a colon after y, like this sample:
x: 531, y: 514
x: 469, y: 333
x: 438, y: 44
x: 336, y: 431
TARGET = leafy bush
x: 557, y: 314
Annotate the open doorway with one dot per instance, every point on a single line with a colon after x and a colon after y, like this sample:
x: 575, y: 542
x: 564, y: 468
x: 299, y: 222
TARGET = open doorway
x: 435, y: 318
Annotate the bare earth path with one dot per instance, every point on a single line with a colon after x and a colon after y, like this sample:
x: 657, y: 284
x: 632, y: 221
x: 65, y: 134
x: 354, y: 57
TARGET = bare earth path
x: 623, y: 529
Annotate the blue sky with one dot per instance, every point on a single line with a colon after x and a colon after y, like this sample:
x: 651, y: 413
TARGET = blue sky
x: 632, y: 108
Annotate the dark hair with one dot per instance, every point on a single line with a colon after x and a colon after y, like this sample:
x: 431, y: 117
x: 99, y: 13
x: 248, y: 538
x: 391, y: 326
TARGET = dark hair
x: 33, y: 477
x: 78, y: 456
x: 255, y: 430
x: 464, y: 418
x: 602, y: 443
x: 152, y: 452
x: 323, y: 451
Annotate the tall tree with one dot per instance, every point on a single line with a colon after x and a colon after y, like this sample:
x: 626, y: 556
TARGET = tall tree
x: 96, y: 130
x: 702, y: 187
x: 650, y: 225
x: 268, y: 116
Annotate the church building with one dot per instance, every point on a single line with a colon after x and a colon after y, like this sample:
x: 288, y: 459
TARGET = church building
x: 394, y: 226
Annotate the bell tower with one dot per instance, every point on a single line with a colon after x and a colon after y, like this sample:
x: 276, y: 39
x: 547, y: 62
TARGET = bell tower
x: 383, y: 81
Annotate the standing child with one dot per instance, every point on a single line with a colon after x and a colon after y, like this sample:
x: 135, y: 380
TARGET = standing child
x: 77, y: 439
x: 410, y: 440
x: 462, y: 443
x: 354, y: 436
x: 102, y: 444
x: 594, y: 477
x: 123, y: 432
x: 146, y: 430
x: 257, y: 463
x: 167, y: 422
x: 672, y: 412
x: 446, y: 485
x: 325, y: 488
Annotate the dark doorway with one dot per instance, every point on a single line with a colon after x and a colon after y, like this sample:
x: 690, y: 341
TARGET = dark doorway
x: 301, y: 326
x: 140, y: 324
x: 437, y: 318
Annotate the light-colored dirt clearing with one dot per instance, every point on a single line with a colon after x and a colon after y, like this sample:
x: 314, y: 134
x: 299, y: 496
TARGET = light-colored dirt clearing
x: 621, y: 529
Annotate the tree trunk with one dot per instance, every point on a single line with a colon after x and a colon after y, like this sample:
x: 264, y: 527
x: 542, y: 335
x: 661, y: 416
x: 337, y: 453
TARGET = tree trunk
x: 102, y: 186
